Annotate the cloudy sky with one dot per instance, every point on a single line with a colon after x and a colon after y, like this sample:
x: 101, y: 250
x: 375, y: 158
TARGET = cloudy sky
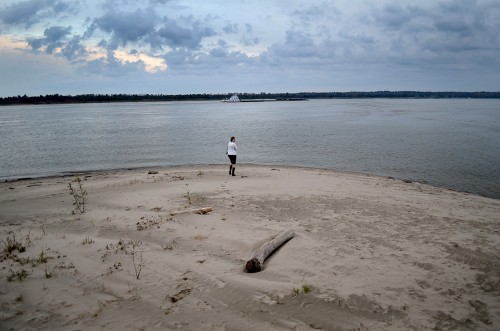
x: 221, y: 46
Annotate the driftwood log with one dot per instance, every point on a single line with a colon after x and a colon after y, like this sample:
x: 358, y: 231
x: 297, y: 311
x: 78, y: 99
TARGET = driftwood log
x: 256, y: 262
x: 201, y: 211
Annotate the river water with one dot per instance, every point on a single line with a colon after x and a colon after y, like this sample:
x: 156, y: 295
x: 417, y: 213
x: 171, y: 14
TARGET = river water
x: 454, y: 143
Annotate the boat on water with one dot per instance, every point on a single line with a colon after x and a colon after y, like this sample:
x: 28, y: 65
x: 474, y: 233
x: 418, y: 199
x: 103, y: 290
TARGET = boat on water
x: 234, y: 98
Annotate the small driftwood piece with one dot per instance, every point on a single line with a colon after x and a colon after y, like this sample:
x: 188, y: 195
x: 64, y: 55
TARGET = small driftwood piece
x: 200, y: 211
x: 256, y: 262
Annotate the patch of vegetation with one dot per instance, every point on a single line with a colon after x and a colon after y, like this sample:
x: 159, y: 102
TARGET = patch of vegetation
x: 18, y: 275
x: 304, y: 289
x: 188, y: 195
x: 79, y: 195
x: 114, y: 248
x: 42, y: 258
x: 87, y: 241
x: 128, y: 248
x: 169, y: 246
x: 147, y: 223
x: 192, y: 197
x: 20, y: 260
x: 11, y: 245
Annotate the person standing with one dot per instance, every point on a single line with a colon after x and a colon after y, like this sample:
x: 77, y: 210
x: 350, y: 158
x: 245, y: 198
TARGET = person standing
x: 231, y: 153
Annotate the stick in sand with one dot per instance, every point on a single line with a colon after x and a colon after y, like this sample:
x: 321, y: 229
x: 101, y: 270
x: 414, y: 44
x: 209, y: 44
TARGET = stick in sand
x: 200, y: 211
x: 260, y: 255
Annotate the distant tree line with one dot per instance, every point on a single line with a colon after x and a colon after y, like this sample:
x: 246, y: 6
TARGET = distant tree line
x: 100, y: 98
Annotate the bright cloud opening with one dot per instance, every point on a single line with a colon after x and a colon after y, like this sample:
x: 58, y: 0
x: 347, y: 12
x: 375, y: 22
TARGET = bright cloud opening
x: 151, y: 64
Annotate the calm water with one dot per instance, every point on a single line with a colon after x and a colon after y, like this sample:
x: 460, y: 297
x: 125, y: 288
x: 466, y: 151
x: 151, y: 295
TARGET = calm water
x: 450, y: 143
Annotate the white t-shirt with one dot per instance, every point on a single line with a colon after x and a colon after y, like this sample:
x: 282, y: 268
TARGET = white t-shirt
x: 231, y: 148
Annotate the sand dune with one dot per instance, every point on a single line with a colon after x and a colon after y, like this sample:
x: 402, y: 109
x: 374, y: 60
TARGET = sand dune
x: 369, y: 253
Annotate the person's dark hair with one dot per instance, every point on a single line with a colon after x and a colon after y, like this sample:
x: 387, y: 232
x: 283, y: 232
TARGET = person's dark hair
x: 232, y: 138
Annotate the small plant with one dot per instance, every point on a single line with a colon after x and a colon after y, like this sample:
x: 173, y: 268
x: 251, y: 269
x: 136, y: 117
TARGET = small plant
x: 306, y: 288
x: 48, y: 274
x: 137, y: 266
x: 42, y: 258
x: 127, y: 248
x: 87, y: 241
x: 188, y: 195
x: 169, y: 246
x: 19, y: 275
x: 12, y: 244
x: 28, y: 240
x: 200, y: 173
x: 148, y: 223
x: 21, y: 260
x: 79, y: 195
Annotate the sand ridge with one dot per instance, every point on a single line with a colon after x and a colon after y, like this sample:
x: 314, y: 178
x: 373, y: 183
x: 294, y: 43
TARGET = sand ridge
x: 369, y: 253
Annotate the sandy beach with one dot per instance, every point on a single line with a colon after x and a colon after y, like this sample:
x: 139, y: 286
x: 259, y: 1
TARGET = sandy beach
x: 369, y: 253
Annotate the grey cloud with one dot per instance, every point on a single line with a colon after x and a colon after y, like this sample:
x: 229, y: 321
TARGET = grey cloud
x: 54, y: 37
x: 231, y: 28
x: 161, y: 2
x: 23, y: 13
x: 451, y: 33
x: 219, y: 52
x: 146, y: 27
x: 219, y: 59
x: 110, y: 66
x: 222, y: 43
x: 224, y: 61
x: 58, y: 37
x: 448, y: 25
x: 249, y: 39
x: 74, y: 50
x: 451, y: 17
x: 311, y: 13
x: 248, y: 28
x: 310, y: 36
x: 188, y: 35
x: 298, y: 39
x: 56, y: 32
x: 126, y: 28
x: 297, y: 44
x: 30, y: 12
x: 36, y: 43
x: 180, y: 57
x: 394, y: 16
